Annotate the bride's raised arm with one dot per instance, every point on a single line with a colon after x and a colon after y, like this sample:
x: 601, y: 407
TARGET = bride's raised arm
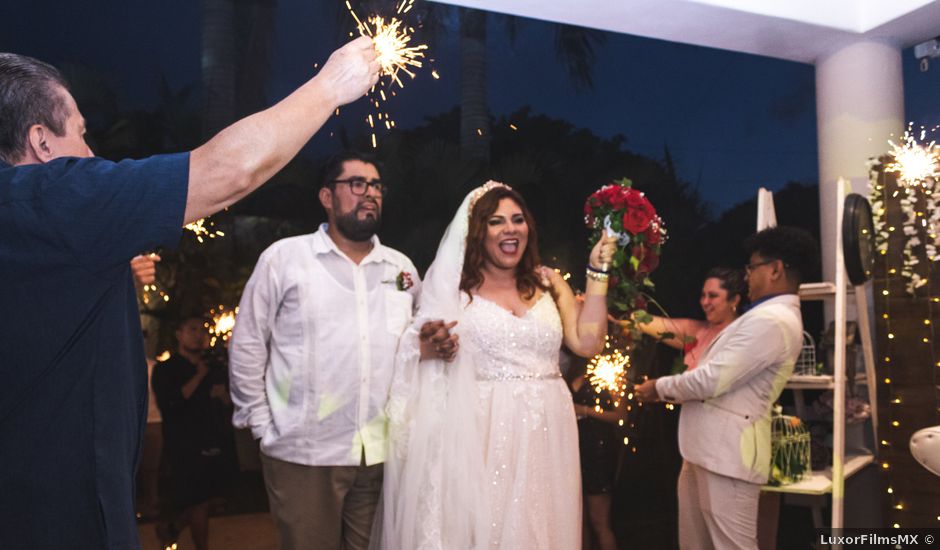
x: 584, y: 325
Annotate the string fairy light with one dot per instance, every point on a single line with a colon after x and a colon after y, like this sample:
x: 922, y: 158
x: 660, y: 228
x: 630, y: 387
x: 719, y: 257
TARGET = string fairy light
x: 917, y: 169
x: 878, y: 192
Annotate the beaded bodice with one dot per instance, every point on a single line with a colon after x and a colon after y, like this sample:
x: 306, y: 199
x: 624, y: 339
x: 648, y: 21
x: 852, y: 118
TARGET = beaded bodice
x: 507, y: 347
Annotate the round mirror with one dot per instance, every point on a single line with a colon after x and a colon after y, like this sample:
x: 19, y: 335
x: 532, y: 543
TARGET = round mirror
x: 858, y: 239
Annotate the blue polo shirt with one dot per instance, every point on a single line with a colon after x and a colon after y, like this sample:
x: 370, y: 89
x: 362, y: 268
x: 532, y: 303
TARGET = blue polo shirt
x: 73, y: 380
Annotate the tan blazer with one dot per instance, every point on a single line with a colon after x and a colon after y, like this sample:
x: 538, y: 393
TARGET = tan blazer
x: 724, y: 426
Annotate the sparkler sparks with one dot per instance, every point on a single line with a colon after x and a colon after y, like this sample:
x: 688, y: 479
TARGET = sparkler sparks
x: 392, y: 39
x: 204, y: 228
x: 608, y: 372
x: 915, y: 163
x: 223, y: 321
x: 391, y: 43
x: 148, y: 290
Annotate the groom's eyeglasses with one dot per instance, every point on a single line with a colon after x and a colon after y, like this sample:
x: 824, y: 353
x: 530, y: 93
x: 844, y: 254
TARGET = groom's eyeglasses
x: 751, y: 267
x: 359, y: 186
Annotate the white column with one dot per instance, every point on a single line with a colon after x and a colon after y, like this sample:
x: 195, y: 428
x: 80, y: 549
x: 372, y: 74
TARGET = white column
x: 859, y: 106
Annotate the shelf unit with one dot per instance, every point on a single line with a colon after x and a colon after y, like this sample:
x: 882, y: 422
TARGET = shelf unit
x: 820, y: 483
x: 832, y: 480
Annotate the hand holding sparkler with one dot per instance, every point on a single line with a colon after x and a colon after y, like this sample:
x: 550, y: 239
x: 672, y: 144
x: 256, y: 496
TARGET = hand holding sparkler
x: 352, y: 70
x: 391, y: 40
x: 646, y: 392
x: 144, y: 268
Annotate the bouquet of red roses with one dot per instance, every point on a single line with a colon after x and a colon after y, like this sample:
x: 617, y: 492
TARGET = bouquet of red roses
x: 619, y: 209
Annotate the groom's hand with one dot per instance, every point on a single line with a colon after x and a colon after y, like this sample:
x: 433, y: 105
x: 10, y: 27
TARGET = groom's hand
x: 437, y: 342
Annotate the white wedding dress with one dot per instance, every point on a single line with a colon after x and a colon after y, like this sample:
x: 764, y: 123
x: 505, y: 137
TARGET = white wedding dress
x: 530, y: 435
x: 484, y: 450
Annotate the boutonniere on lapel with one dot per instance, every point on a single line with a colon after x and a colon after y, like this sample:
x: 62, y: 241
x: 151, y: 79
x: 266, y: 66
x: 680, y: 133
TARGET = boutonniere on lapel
x: 403, y: 281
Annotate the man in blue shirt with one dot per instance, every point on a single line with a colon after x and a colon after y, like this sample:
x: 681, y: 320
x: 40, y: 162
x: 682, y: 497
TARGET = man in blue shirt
x: 73, y: 381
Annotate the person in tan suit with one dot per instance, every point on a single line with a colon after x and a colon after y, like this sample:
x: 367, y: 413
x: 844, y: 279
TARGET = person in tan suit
x: 724, y: 427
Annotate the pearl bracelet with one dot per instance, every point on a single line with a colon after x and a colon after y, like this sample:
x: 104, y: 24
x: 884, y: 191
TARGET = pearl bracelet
x: 596, y: 275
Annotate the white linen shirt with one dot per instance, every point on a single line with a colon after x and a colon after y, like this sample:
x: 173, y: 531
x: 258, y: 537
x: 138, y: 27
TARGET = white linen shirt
x: 312, y: 352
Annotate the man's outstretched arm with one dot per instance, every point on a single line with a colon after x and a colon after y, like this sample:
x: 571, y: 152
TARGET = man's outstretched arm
x: 249, y: 152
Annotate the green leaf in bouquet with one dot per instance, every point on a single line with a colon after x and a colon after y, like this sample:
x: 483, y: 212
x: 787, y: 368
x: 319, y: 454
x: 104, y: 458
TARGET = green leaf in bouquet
x: 634, y: 263
x: 643, y: 317
x: 619, y: 258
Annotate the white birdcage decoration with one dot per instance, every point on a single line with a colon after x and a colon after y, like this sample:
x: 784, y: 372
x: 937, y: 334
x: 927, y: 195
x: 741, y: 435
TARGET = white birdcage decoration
x: 789, y: 449
x: 806, y: 363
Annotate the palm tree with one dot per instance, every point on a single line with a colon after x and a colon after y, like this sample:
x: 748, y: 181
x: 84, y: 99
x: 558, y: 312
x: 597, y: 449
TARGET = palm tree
x: 474, y: 109
x: 218, y: 64
x: 574, y: 47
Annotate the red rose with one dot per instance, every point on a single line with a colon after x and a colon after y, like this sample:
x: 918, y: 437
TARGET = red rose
x: 648, y: 259
x: 618, y: 198
x: 650, y: 262
x: 639, y: 213
x: 608, y: 195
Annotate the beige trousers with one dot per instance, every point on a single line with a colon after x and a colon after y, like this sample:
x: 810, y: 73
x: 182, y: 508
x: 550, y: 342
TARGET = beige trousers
x: 322, y: 507
x: 716, y: 512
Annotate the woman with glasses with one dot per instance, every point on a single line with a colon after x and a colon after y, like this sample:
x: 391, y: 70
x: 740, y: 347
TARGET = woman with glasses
x: 724, y: 294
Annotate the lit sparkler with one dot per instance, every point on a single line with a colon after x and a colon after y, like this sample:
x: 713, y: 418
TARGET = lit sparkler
x: 391, y: 43
x: 149, y: 290
x: 915, y: 163
x: 223, y: 321
x: 608, y: 372
x: 392, y: 39
x: 203, y: 227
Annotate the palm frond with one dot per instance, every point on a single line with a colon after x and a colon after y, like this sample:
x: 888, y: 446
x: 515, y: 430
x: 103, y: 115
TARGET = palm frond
x: 576, y: 47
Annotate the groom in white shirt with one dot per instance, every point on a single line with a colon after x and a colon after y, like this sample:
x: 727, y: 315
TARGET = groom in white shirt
x: 311, y: 361
x: 724, y: 427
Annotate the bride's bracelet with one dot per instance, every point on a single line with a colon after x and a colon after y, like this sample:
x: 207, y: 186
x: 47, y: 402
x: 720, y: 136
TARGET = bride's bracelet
x: 596, y: 274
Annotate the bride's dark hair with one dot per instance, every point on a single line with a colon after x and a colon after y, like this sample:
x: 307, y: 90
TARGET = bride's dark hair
x: 527, y: 281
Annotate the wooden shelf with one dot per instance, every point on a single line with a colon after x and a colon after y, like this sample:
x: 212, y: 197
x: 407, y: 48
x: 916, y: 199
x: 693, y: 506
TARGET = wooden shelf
x: 820, y: 482
x: 810, y: 382
x: 820, y: 291
x: 819, y: 381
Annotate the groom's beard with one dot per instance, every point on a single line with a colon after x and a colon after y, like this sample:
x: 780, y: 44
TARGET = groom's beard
x: 356, y: 229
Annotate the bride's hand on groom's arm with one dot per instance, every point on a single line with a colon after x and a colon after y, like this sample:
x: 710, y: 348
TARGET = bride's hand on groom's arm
x: 437, y: 342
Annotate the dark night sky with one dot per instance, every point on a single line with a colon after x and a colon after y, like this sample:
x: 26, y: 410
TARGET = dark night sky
x: 732, y: 121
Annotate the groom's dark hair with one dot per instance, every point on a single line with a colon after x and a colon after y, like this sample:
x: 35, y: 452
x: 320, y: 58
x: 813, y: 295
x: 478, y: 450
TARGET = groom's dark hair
x: 527, y: 281
x: 333, y: 166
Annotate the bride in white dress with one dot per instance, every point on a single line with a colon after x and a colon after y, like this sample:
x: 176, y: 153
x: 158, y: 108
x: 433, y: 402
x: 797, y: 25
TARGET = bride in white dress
x: 484, y: 450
